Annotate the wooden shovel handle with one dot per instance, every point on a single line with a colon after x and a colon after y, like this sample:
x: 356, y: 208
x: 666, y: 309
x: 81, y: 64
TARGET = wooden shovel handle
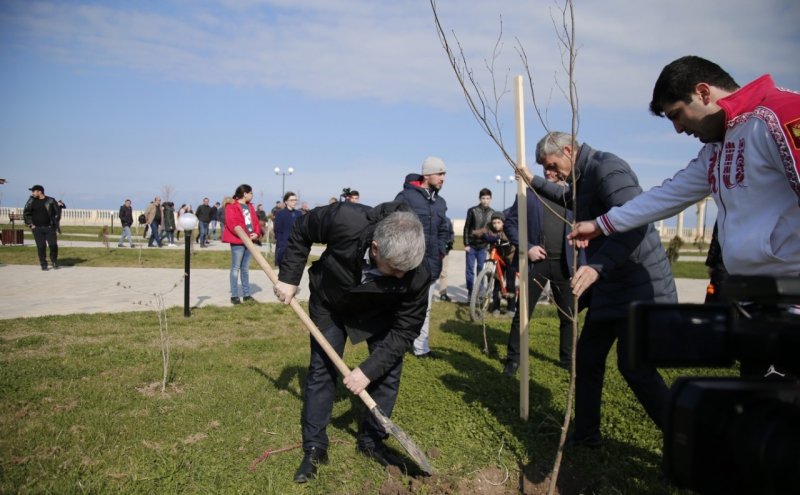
x: 300, y: 312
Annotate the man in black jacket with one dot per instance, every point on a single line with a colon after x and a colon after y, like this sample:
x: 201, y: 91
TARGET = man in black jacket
x: 126, y: 219
x: 42, y: 214
x: 624, y: 268
x: 369, y: 284
x: 478, y: 217
x: 203, y: 214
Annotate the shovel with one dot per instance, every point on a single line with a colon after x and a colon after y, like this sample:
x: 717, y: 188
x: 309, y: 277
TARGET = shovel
x: 388, y: 425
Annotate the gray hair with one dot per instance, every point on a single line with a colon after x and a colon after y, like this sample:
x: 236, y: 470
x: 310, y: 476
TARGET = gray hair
x: 400, y: 240
x: 553, y: 143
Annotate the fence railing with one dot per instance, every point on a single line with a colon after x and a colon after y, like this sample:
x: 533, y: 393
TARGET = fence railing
x: 71, y: 216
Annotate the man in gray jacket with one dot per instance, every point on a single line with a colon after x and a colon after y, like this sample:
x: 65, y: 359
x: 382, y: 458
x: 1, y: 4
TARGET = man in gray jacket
x: 627, y: 267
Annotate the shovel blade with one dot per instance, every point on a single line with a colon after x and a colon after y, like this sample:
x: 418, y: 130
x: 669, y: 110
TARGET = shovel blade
x: 408, y: 444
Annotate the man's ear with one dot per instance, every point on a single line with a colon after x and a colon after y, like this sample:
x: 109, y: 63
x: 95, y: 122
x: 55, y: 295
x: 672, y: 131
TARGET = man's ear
x: 373, y: 248
x: 703, y: 90
x: 567, y: 150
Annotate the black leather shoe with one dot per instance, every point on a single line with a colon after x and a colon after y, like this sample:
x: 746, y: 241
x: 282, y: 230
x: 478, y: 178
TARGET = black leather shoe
x: 44, y: 268
x: 380, y: 454
x: 235, y: 300
x: 308, y: 467
x: 56, y: 266
x: 511, y: 368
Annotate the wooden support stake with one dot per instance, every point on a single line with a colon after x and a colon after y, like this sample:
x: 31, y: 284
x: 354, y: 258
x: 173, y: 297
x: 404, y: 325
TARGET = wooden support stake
x: 522, y: 214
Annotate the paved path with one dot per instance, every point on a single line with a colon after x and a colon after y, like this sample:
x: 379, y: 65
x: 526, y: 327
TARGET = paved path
x: 25, y: 290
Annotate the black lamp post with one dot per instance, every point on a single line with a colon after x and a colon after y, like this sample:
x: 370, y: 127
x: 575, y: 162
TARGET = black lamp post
x: 511, y: 179
x: 188, y: 223
x: 289, y: 171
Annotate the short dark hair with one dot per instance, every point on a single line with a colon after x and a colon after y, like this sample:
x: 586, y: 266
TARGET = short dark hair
x: 485, y: 192
x: 679, y: 78
x: 241, y: 191
x: 288, y: 195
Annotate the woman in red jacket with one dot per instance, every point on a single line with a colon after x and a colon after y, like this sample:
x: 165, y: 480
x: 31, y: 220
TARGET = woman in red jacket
x: 240, y: 213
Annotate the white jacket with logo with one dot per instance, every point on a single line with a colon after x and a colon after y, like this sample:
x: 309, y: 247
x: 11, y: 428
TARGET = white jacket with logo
x: 753, y: 176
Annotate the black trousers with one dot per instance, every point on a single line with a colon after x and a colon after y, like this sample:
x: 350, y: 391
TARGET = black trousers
x: 46, y: 236
x: 555, y: 270
x: 593, y: 348
x: 320, y: 393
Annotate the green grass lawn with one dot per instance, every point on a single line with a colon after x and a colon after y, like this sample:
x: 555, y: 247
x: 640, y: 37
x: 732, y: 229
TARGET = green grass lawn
x: 81, y: 409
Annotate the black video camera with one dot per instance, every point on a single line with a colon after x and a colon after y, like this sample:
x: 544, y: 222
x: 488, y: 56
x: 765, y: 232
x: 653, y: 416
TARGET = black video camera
x: 729, y: 435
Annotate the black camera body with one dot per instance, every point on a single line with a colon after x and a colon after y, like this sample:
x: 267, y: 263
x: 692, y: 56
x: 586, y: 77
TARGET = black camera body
x: 722, y: 434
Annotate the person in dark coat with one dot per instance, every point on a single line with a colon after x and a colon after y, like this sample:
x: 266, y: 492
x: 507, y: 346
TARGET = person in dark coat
x: 623, y: 268
x: 126, y: 219
x: 421, y: 193
x: 284, y: 220
x: 43, y: 216
x: 369, y: 284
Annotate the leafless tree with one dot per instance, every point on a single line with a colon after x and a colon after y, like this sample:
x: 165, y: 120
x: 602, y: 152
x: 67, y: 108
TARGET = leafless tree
x: 166, y: 192
x: 485, y: 107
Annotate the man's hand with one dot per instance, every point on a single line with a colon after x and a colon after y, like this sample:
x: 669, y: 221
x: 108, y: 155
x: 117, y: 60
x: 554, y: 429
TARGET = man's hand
x: 466, y: 248
x: 537, y: 253
x: 523, y: 172
x: 356, y: 381
x: 583, y: 279
x: 285, y: 292
x: 583, y: 233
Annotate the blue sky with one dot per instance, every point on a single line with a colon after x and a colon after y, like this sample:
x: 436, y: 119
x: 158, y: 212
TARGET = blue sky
x: 107, y: 100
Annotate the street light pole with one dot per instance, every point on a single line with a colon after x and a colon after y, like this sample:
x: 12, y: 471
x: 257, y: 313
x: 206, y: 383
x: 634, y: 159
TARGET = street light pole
x: 499, y: 179
x: 289, y: 171
x: 188, y: 222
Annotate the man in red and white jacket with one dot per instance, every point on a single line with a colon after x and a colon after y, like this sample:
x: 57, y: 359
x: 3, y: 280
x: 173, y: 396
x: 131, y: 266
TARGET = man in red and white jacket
x: 750, y: 164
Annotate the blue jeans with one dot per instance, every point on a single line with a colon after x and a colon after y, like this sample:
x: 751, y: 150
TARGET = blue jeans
x: 213, y: 225
x: 126, y: 234
x: 474, y: 255
x: 203, y: 233
x: 240, y: 264
x: 155, y: 237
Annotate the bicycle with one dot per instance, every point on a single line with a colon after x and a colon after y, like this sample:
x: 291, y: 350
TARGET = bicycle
x: 493, y: 272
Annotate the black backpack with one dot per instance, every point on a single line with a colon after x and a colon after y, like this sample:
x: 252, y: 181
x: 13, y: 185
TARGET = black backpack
x: 142, y: 219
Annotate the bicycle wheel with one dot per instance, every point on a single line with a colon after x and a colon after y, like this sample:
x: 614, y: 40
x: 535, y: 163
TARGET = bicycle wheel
x: 482, y: 292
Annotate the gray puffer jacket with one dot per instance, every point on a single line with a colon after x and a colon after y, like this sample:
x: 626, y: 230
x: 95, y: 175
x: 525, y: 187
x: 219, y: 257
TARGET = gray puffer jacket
x: 633, y: 266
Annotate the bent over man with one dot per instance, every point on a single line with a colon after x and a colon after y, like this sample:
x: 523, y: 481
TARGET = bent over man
x: 369, y: 284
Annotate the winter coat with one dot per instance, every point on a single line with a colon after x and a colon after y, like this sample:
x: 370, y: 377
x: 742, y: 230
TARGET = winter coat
x: 431, y: 209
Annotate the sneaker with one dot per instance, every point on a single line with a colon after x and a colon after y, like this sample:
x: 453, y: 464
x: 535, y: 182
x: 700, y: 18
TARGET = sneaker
x: 55, y: 265
x: 248, y: 299
x: 44, y: 268
x: 235, y: 300
x: 444, y: 297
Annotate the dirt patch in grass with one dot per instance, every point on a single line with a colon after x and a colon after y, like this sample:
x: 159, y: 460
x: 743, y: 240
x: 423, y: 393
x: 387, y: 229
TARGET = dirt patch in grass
x: 154, y: 390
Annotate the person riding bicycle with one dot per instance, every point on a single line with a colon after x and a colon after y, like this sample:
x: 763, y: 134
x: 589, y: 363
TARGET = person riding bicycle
x: 497, y: 240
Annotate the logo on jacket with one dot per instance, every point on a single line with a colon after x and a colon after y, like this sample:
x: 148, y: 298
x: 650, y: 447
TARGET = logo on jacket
x: 793, y: 130
x: 733, y: 164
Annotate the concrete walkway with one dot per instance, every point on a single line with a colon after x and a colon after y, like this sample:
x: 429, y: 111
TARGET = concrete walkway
x: 27, y: 291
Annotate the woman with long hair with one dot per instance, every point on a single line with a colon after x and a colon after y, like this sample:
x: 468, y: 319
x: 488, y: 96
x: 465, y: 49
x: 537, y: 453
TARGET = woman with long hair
x: 240, y: 213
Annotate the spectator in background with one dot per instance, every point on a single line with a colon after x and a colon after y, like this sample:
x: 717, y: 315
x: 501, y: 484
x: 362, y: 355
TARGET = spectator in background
x: 61, y: 207
x: 168, y: 222
x: 478, y: 218
x: 421, y: 193
x: 262, y: 218
x: 304, y: 208
x: 153, y: 216
x: 283, y: 224
x: 214, y: 220
x: 43, y: 215
x: 353, y: 197
x: 126, y: 220
x: 240, y: 213
x: 203, y: 214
